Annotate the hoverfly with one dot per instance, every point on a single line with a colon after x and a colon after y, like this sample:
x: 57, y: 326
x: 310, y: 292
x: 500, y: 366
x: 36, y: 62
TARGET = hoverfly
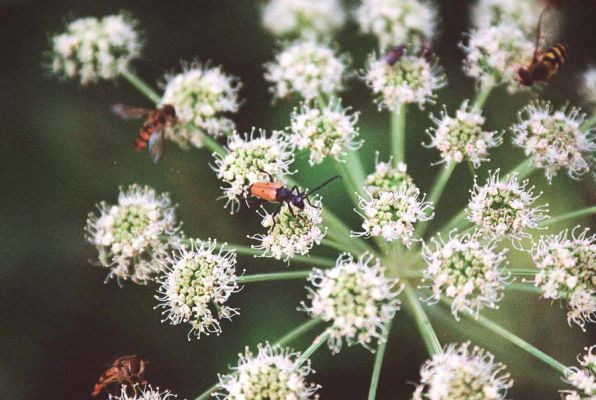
x: 395, y: 53
x: 152, y: 132
x: 125, y: 369
x: 546, y: 61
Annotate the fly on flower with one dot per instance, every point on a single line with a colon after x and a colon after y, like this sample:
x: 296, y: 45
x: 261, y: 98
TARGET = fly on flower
x: 395, y: 53
x: 153, y: 129
x: 124, y: 370
x: 546, y: 61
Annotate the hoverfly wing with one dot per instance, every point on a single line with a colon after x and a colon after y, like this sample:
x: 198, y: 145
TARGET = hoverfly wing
x: 156, y: 145
x: 129, y: 112
x: 548, y: 30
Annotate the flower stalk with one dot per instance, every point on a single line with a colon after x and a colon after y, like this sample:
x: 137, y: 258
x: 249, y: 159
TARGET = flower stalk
x: 376, y: 374
x: 141, y: 86
x: 429, y: 336
x: 436, y: 192
x: 275, y: 276
x: 318, y: 342
x: 398, y: 133
x: 571, y: 215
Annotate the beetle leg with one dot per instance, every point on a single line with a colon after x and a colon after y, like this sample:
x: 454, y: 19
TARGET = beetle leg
x: 310, y: 204
x: 254, y: 202
x: 275, y: 214
x: 267, y: 173
x: 291, y: 209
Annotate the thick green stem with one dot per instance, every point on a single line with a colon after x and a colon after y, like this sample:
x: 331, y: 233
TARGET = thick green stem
x: 519, y: 342
x: 398, y: 134
x: 349, y: 181
x: 520, y: 287
x: 274, y: 276
x: 141, y: 86
x: 212, y: 145
x: 572, y: 215
x: 520, y: 271
x: 422, y: 322
x: 482, y: 96
x: 376, y: 374
x: 318, y: 342
x: 435, y: 194
x: 332, y: 244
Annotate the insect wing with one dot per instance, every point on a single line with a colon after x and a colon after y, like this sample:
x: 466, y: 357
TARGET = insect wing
x: 129, y: 112
x: 156, y: 145
x: 549, y: 27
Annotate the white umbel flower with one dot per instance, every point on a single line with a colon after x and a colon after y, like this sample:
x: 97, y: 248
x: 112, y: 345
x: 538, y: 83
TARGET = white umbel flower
x: 495, y: 53
x: 291, y: 232
x: 582, y: 379
x: 504, y: 207
x: 306, y: 18
x: 568, y: 272
x: 131, y: 234
x: 272, y: 373
x: 523, y: 14
x: 140, y: 392
x: 386, y: 177
x: 554, y: 140
x: 467, y: 272
x: 411, y: 80
x: 588, y: 87
x: 356, y: 297
x: 462, y: 372
x: 393, y: 214
x: 395, y: 22
x: 92, y: 49
x: 199, y: 281
x: 203, y: 97
x: 248, y: 159
x: 307, y: 69
x: 461, y: 137
x: 325, y: 132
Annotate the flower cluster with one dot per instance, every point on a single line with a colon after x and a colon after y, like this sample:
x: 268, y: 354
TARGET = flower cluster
x: 307, y: 69
x: 461, y: 137
x: 291, y: 231
x: 466, y: 271
x: 248, y: 159
x: 131, y: 234
x: 392, y: 214
x: 144, y: 393
x: 326, y: 131
x: 523, y: 14
x: 356, y: 297
x: 272, y: 374
x: 555, y: 140
x: 303, y: 17
x: 93, y: 49
x: 494, y: 54
x: 462, y: 373
x: 568, y: 272
x: 411, y: 80
x: 197, y: 284
x: 202, y: 96
x: 504, y: 207
x: 582, y: 379
x: 386, y: 178
x: 395, y: 22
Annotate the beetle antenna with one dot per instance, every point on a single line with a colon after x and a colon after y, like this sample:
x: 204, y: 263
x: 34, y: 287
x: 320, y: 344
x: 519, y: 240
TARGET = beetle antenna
x: 328, y: 181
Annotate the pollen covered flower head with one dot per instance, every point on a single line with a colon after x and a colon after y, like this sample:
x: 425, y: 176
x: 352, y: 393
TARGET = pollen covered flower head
x: 92, y: 49
x: 291, y: 231
x: 568, y: 272
x: 523, y: 14
x: 140, y: 392
x: 582, y: 378
x: 325, y: 132
x: 466, y: 271
x: 462, y: 372
x: 495, y: 53
x: 248, y: 159
x: 306, y: 69
x: 203, y: 97
x: 505, y: 207
x: 198, y: 282
x: 386, y: 177
x: 588, y: 87
x: 396, y: 22
x: 411, y: 80
x: 303, y: 17
x: 393, y: 214
x: 130, y: 235
x: 272, y: 373
x: 461, y: 137
x: 554, y: 140
x: 356, y: 297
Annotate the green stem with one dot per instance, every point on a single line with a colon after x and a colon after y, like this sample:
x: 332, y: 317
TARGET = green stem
x: 590, y: 122
x: 274, y: 276
x: 141, y: 86
x: 212, y: 145
x: 332, y: 244
x: 299, y: 331
x: 318, y: 342
x: 572, y: 215
x: 376, y: 374
x: 519, y: 342
x: 520, y: 287
x: 422, y: 322
x: 398, y: 133
x: 482, y: 96
x: 521, y: 271
x: 349, y: 180
x: 435, y: 194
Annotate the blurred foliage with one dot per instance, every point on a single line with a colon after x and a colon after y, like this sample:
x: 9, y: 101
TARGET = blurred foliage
x: 62, y: 152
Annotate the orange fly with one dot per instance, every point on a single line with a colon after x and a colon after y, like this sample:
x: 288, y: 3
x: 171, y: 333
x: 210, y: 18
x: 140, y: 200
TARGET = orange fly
x: 125, y: 369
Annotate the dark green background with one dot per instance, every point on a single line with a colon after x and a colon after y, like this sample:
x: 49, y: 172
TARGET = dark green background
x: 62, y: 152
